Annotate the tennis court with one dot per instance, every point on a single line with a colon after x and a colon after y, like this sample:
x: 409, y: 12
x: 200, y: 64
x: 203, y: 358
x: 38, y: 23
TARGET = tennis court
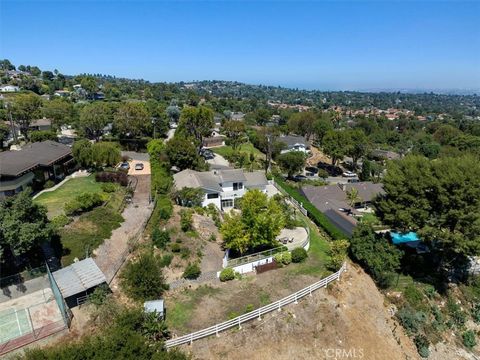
x: 14, y: 323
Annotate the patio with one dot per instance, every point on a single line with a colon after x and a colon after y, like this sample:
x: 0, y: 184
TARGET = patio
x: 298, y: 234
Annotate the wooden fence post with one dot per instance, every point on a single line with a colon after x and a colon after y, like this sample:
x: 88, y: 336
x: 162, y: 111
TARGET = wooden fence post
x: 259, y: 315
x: 239, y: 324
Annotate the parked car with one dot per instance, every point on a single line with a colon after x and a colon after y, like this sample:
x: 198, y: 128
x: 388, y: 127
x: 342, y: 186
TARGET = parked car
x: 311, y: 169
x: 138, y: 166
x: 349, y: 174
x: 125, y: 166
x: 299, y: 178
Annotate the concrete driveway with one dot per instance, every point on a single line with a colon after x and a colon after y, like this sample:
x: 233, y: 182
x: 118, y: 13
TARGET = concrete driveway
x: 218, y: 161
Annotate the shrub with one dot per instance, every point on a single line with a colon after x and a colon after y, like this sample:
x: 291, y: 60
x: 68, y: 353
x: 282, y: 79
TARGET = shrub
x: 422, y: 344
x: 186, y: 220
x: 283, y: 258
x: 469, y: 339
x: 60, y: 221
x: 299, y: 255
x: 227, y: 274
x: 48, y: 184
x: 249, y: 308
x: 410, y: 319
x: 118, y: 177
x: 413, y: 296
x: 185, y: 253
x: 165, y: 207
x: 192, y: 271
x: 166, y: 260
x: 457, y: 316
x: 175, y: 248
x: 476, y: 313
x: 160, y: 238
x: 108, y: 187
x: 82, y: 203
x: 338, y: 253
x: 99, y: 295
x: 143, y: 279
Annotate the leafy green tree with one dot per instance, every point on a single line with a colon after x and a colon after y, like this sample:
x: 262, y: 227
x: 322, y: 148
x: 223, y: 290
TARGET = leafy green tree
x: 132, y: 120
x: 190, y: 197
x: 335, y: 144
x: 173, y: 113
x: 4, y: 132
x: 440, y: 199
x: 89, y: 84
x: 93, y: 118
x: 43, y: 135
x: 338, y: 254
x: 23, y: 224
x: 353, y: 197
x: 235, y: 132
x: 291, y: 162
x: 302, y: 123
x: 182, y: 153
x: 143, y: 279
x: 374, y: 253
x: 26, y: 107
x: 106, y: 154
x: 197, y: 123
x: 321, y: 127
x: 258, y: 225
x: 82, y: 152
x: 59, y: 110
x: 359, y: 146
x: 366, y: 173
x: 445, y: 134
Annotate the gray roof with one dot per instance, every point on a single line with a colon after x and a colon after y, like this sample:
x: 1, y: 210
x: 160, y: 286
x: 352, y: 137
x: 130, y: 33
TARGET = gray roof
x: 326, y: 197
x: 367, y: 190
x: 292, y: 140
x: 78, y: 277
x: 387, y: 154
x: 342, y: 221
x: 15, y: 163
x: 154, y: 305
x: 255, y: 178
x: 41, y: 122
x: 209, y: 180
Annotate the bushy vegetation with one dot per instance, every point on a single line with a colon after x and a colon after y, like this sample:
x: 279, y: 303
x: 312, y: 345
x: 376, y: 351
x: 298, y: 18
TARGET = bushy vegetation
x: 160, y: 238
x: 192, y: 272
x: 83, y: 202
x: 338, y: 254
x: 299, y: 255
x: 189, y: 197
x: 469, y: 339
x: 283, y: 258
x: 142, y: 279
x: 108, y: 187
x: 186, y: 222
x: 118, y: 177
x: 227, y: 274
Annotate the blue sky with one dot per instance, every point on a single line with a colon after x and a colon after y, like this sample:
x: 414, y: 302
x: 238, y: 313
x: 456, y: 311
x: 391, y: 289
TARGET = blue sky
x: 319, y: 44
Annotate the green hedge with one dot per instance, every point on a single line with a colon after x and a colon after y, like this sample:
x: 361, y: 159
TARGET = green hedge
x: 313, y: 213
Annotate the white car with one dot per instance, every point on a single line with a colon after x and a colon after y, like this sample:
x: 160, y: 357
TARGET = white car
x: 349, y: 174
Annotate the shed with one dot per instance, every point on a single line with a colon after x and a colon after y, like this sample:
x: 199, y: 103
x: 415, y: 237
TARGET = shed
x: 157, y: 306
x: 78, y: 280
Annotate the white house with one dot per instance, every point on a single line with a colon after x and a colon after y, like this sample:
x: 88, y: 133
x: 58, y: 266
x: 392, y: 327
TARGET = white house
x: 221, y: 187
x: 294, y: 143
x: 9, y: 88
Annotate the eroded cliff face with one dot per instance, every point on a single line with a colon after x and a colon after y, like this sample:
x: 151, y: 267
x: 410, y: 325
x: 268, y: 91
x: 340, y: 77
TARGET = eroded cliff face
x: 349, y: 320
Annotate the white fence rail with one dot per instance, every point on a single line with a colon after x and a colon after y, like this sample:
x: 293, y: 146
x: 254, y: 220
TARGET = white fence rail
x: 255, y: 314
x: 297, y: 204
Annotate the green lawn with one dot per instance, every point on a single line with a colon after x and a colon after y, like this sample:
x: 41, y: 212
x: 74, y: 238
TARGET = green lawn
x: 56, y: 200
x: 247, y: 147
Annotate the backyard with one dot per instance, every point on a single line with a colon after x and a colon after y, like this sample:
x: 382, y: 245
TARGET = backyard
x: 56, y: 200
x: 227, y: 151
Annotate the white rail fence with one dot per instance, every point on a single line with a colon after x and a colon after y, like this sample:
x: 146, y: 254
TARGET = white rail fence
x: 255, y: 314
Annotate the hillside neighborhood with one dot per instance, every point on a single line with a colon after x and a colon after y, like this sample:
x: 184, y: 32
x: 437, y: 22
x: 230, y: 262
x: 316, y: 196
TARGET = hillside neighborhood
x: 159, y: 218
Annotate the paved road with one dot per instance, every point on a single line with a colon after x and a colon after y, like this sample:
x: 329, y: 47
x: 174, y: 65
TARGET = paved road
x: 218, y: 162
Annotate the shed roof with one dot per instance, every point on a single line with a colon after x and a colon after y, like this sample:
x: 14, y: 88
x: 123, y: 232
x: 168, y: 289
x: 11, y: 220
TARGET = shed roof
x: 78, y: 277
x: 154, y: 305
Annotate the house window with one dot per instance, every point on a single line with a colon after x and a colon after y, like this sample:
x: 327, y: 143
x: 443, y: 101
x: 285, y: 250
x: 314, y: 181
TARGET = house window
x: 237, y: 186
x: 227, y: 203
x: 212, y: 196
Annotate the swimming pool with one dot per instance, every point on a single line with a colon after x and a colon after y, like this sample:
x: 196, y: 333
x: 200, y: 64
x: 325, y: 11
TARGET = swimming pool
x: 400, y: 238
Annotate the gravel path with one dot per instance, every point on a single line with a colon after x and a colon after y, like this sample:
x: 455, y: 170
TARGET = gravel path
x: 110, y: 255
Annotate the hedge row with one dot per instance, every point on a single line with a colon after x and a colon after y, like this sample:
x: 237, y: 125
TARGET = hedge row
x: 112, y: 177
x: 313, y: 213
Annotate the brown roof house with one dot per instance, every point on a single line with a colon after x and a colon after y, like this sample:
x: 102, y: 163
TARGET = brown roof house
x: 34, y: 163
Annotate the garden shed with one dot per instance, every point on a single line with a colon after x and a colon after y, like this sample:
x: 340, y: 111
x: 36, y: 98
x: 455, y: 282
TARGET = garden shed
x: 78, y: 280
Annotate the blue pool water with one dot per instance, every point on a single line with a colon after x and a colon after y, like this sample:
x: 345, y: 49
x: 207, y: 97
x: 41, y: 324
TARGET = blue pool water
x: 398, y: 238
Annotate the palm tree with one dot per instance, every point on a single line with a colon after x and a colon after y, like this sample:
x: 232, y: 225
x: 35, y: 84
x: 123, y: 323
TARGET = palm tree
x: 352, y: 197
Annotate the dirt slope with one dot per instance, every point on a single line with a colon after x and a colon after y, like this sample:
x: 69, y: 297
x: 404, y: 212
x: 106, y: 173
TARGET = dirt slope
x: 346, y: 321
